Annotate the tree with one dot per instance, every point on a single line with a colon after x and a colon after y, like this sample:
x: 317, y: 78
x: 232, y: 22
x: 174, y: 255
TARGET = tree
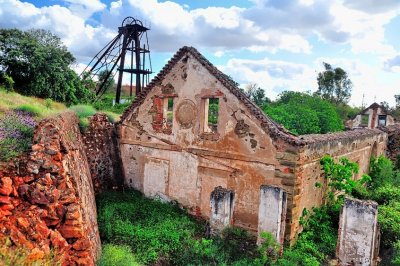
x: 39, y: 64
x: 109, y: 83
x: 334, y: 85
x: 397, y: 98
x: 256, y: 94
x: 303, y: 113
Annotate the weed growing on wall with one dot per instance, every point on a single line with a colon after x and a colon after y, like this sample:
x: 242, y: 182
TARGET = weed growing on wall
x: 16, y: 131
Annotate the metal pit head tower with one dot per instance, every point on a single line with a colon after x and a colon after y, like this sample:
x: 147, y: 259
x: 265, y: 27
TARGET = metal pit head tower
x: 126, y: 53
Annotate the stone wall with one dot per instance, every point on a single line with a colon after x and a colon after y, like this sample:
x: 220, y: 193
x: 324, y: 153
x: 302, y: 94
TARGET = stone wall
x: 47, y: 198
x: 393, y: 147
x: 102, y: 153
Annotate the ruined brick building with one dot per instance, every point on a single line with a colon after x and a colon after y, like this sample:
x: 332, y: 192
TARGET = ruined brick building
x: 373, y: 116
x: 192, y: 136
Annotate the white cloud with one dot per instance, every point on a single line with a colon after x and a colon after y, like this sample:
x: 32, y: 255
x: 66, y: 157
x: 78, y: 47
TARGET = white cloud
x: 85, y: 9
x: 274, y: 76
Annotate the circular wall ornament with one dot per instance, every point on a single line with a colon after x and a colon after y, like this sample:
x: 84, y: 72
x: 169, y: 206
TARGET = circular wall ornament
x: 186, y: 113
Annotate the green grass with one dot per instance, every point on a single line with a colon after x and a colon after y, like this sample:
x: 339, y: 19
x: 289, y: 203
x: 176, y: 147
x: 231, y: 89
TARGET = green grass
x: 116, y: 255
x: 160, y: 233
x: 33, y: 110
x: 36, y: 106
x: 83, y: 112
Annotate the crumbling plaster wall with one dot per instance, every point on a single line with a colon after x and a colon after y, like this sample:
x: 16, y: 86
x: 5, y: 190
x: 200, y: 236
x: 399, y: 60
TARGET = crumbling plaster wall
x: 242, y: 157
x: 47, y: 197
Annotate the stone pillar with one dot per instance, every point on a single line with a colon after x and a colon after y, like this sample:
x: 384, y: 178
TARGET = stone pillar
x: 221, y: 208
x: 358, y: 237
x: 272, y: 212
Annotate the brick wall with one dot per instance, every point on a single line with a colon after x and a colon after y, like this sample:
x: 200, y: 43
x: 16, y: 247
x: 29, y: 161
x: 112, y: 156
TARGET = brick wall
x: 47, y: 198
x: 102, y: 153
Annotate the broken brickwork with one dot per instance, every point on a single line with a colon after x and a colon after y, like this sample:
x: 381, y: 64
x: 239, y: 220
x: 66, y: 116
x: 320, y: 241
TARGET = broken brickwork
x: 393, y: 147
x: 102, y: 153
x: 47, y: 199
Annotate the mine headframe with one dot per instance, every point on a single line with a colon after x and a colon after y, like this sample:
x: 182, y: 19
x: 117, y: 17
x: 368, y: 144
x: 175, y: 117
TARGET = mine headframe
x: 123, y: 54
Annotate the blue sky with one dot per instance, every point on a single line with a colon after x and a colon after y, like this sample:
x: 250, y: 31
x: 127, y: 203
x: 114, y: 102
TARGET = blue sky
x: 278, y: 44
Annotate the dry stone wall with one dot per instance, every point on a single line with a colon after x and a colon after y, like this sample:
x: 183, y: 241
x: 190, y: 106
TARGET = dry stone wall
x: 102, y: 153
x: 47, y: 198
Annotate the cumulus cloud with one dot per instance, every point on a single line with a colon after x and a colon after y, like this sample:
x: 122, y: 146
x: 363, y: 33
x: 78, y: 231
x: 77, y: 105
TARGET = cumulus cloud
x: 274, y: 76
x: 373, y: 6
x: 85, y: 9
x: 82, y: 39
x: 393, y: 64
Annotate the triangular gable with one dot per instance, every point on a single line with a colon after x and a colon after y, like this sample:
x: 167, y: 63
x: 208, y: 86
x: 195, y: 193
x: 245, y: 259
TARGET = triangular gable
x: 270, y: 127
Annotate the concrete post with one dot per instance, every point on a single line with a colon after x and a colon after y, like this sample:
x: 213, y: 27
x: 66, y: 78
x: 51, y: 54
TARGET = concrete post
x: 358, y: 237
x: 272, y: 212
x: 221, y: 209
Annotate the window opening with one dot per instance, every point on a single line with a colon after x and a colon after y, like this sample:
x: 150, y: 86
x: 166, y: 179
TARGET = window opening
x: 364, y: 120
x: 168, y: 111
x: 212, y: 110
x: 382, y: 120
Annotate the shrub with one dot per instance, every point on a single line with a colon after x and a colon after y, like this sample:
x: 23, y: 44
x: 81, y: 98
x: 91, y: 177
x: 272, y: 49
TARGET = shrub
x: 389, y: 220
x: 115, y: 255
x: 48, y: 103
x: 341, y: 178
x: 16, y: 131
x: 8, y: 82
x: 386, y: 194
x: 396, y: 254
x: 30, y: 109
x: 83, y: 112
x: 382, y: 172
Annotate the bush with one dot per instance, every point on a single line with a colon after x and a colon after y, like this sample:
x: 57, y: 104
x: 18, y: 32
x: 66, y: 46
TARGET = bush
x: 382, y: 172
x: 16, y: 131
x: 396, y: 254
x: 83, y: 112
x: 8, y: 82
x: 115, y: 255
x: 389, y: 220
x: 30, y: 109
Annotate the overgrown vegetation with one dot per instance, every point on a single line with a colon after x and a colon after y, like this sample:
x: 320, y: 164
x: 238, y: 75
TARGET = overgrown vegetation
x: 10, y: 255
x: 16, y: 131
x: 303, y: 113
x: 37, y: 107
x: 158, y: 233
x: 385, y: 190
x: 83, y: 112
x: 105, y: 104
x: 162, y: 233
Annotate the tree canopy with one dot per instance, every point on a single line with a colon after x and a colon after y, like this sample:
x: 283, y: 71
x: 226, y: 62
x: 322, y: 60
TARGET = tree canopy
x: 256, y: 94
x: 303, y: 113
x: 39, y: 64
x: 334, y: 85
